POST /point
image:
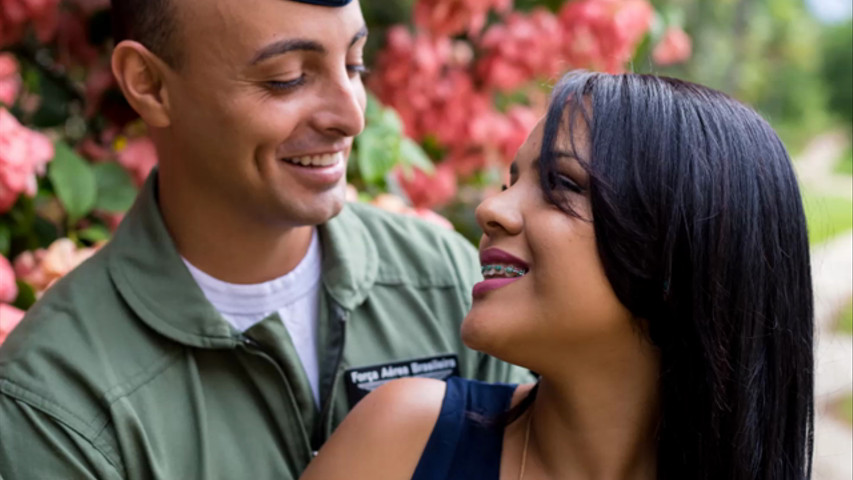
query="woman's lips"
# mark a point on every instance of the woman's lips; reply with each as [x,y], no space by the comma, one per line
[495,256]
[490,284]
[498,256]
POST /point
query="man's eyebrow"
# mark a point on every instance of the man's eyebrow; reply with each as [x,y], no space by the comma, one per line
[298,44]
[284,46]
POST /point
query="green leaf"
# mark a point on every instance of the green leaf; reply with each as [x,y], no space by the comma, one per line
[116,190]
[74,182]
[43,232]
[94,234]
[411,154]
[26,296]
[374,155]
[392,121]
[5,239]
[373,112]
[54,105]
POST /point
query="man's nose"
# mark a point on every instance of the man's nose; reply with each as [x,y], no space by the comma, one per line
[342,107]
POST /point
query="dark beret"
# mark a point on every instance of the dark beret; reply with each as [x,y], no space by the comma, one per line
[326,3]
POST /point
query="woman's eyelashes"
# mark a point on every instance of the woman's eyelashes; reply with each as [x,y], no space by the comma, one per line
[565,182]
[558,182]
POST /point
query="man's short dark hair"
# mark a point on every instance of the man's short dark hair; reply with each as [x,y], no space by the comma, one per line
[149,22]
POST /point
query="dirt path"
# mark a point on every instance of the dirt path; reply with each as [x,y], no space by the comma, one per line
[832,264]
[832,276]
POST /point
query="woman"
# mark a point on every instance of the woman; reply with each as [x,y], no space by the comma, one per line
[649,259]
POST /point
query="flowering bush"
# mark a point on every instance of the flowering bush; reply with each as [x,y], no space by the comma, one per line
[454,94]
[674,47]
[470,91]
[23,154]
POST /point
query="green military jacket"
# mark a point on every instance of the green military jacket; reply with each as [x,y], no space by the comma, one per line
[124,370]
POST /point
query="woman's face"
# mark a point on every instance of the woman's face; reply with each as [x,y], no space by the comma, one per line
[545,292]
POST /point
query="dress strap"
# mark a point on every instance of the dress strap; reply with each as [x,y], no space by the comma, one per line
[467,439]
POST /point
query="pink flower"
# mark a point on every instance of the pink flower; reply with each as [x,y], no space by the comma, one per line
[8,287]
[112,220]
[23,155]
[138,157]
[519,122]
[390,203]
[674,47]
[16,15]
[28,269]
[10,81]
[429,191]
[521,49]
[40,269]
[88,7]
[603,34]
[450,17]
[98,83]
[10,317]
[72,39]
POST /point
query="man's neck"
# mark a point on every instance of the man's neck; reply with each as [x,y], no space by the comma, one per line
[226,245]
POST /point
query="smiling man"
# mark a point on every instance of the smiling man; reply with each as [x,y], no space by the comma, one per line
[242,307]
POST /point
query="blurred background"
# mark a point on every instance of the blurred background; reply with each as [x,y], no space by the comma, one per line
[455,87]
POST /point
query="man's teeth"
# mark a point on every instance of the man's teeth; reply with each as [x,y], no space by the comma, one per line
[503,271]
[326,160]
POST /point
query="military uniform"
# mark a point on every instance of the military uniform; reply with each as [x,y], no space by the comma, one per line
[124,370]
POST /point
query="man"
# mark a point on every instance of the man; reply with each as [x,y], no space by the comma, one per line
[223,333]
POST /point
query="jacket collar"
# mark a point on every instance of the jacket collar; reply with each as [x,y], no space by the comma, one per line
[149,274]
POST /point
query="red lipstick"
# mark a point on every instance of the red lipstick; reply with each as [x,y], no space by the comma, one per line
[495,257]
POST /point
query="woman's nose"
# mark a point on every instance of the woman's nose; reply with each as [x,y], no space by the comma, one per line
[500,214]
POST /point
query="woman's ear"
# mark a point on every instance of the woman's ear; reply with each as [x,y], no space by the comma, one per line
[140,75]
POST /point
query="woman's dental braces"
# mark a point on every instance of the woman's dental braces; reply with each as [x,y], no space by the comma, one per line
[507,270]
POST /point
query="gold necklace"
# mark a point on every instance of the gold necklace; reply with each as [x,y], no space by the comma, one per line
[526,443]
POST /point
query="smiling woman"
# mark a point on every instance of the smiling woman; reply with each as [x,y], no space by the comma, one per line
[649,259]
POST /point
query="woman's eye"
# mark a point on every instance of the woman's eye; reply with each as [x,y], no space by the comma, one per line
[279,86]
[563,182]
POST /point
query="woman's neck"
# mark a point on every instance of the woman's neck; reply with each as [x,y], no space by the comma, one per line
[598,420]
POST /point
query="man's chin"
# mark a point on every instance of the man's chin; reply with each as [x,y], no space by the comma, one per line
[318,212]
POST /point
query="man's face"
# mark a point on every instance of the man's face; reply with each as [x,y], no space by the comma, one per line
[265,104]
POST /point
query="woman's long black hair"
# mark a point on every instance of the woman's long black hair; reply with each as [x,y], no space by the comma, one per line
[700,228]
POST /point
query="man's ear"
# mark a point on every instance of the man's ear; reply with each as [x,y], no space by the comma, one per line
[140,75]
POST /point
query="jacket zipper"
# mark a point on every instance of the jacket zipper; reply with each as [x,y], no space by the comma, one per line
[342,317]
[256,349]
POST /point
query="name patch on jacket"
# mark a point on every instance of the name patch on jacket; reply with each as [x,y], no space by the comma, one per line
[362,380]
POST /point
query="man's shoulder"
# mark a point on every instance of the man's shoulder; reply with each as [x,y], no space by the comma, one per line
[76,345]
[415,250]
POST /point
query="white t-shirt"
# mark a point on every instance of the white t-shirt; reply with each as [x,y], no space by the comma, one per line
[295,297]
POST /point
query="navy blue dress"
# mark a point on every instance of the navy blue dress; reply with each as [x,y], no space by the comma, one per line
[466,441]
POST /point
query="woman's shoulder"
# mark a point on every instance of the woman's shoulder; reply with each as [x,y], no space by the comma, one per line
[384,435]
[406,403]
